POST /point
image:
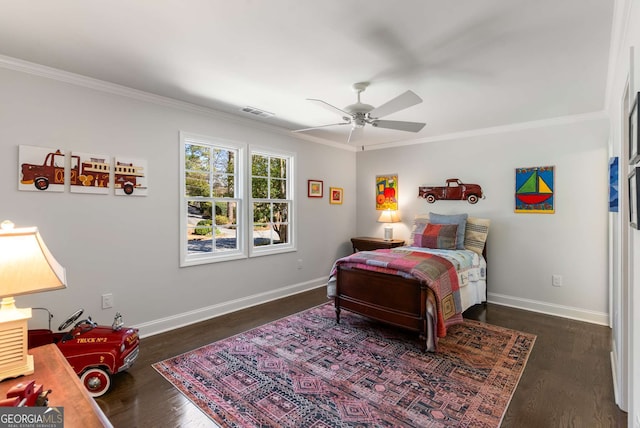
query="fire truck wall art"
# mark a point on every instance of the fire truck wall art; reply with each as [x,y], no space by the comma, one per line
[43,169]
[130,176]
[89,173]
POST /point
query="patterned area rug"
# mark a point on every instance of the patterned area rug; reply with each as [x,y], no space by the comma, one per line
[307,371]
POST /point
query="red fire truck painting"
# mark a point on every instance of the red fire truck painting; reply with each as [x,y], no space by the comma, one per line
[128,177]
[94,172]
[51,171]
[89,173]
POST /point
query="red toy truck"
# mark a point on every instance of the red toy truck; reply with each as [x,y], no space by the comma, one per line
[95,352]
[26,395]
[455,189]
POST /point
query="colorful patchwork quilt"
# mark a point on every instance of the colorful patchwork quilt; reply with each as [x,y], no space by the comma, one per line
[437,272]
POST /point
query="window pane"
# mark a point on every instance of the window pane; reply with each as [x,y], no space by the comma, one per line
[281,212]
[200,237]
[261,212]
[197,184]
[226,238]
[226,214]
[278,189]
[259,165]
[197,158]
[199,245]
[197,211]
[278,167]
[262,235]
[223,161]
[281,232]
[259,189]
[223,186]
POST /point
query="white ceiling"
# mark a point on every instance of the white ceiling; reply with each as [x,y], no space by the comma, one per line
[475,63]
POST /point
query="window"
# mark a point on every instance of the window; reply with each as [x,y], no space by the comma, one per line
[218,221]
[270,201]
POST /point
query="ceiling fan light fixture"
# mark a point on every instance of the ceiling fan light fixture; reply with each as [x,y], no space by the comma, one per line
[360,114]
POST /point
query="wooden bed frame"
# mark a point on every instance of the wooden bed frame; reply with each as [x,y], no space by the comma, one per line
[368,293]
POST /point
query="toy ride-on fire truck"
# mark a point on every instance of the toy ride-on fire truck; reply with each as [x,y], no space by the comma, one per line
[95,352]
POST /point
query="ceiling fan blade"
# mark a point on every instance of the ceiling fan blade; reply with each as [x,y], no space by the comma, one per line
[355,134]
[402,101]
[398,125]
[321,126]
[329,107]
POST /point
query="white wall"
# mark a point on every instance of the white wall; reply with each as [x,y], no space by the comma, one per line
[524,250]
[129,246]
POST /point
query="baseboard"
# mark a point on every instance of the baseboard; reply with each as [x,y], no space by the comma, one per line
[614,374]
[181,320]
[573,313]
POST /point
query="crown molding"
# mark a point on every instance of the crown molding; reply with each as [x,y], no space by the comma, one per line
[27,67]
[544,123]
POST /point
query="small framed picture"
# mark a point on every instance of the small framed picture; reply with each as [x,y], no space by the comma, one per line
[634,153]
[634,186]
[314,188]
[335,195]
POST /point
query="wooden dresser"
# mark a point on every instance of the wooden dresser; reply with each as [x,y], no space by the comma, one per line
[54,372]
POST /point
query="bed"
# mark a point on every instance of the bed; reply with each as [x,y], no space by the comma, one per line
[424,286]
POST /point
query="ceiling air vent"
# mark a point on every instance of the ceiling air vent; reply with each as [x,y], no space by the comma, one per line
[256,112]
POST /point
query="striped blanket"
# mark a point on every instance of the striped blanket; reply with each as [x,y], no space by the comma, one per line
[437,272]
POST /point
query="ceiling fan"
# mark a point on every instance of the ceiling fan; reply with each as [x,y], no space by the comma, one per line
[359,114]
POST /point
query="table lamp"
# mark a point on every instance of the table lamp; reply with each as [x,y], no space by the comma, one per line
[388,217]
[26,266]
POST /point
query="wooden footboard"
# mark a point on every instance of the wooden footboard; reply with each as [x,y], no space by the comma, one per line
[388,298]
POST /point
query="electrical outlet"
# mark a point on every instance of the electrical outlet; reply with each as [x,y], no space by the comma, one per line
[299,263]
[107,301]
[556,280]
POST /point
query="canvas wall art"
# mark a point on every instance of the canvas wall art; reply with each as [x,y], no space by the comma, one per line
[130,177]
[387,192]
[535,190]
[335,195]
[41,169]
[89,173]
[613,184]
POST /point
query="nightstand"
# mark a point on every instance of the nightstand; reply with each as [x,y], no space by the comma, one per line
[365,243]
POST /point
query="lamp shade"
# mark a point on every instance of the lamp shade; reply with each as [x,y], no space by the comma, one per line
[26,264]
[389,216]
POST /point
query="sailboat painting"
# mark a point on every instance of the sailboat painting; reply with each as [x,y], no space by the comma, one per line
[535,190]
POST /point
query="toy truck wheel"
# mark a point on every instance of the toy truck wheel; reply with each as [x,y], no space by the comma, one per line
[128,188]
[41,183]
[430,198]
[472,199]
[96,380]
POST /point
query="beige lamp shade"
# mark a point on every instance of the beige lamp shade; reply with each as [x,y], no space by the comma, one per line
[26,264]
[389,216]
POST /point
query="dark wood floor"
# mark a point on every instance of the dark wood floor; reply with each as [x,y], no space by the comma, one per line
[567,381]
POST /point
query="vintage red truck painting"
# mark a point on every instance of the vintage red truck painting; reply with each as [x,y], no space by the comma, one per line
[453,190]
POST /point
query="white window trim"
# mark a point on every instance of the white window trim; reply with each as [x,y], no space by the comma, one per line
[280,248]
[187,259]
